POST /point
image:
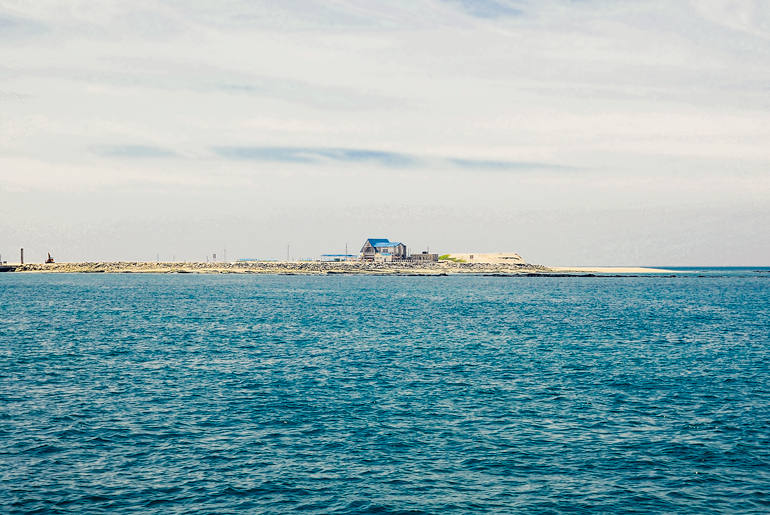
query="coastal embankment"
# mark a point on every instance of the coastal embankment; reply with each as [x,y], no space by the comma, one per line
[287,267]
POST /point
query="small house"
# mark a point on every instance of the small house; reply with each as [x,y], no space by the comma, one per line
[383,250]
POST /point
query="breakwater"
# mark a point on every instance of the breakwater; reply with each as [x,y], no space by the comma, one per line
[284,267]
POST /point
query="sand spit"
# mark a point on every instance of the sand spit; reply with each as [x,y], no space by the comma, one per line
[283,267]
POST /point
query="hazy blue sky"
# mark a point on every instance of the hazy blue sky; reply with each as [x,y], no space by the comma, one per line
[571,132]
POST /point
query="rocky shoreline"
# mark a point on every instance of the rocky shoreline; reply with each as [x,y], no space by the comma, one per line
[286,268]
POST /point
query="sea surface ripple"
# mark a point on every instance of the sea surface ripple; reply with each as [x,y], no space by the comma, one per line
[281,394]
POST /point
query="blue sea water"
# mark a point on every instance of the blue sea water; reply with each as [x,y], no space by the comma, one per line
[283,394]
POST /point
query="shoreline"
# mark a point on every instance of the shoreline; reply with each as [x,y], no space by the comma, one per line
[281,268]
[321,268]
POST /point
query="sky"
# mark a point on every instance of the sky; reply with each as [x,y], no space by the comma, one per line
[584,132]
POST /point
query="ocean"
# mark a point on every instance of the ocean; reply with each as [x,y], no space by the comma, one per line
[192,393]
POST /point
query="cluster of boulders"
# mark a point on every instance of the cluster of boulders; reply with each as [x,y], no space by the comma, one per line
[284,267]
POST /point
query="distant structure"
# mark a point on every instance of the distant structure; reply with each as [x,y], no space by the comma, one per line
[382,250]
[49,260]
[337,257]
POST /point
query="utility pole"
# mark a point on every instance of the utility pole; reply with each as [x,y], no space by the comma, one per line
[22,256]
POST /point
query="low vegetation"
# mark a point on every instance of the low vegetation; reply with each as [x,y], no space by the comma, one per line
[446,257]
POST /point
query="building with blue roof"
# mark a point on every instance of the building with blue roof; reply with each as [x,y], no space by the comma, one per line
[380,249]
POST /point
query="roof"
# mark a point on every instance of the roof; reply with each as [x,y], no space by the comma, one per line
[374,242]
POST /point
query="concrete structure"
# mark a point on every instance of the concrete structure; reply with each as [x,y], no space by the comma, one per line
[423,257]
